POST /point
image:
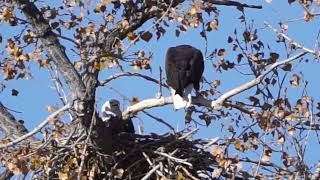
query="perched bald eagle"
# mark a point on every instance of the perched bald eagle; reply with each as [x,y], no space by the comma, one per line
[112,117]
[184,68]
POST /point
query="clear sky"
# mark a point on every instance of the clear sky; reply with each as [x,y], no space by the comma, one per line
[37,93]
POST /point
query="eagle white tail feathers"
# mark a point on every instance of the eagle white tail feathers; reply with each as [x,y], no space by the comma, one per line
[182,102]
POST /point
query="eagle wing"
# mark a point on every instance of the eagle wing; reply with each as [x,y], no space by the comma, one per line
[179,67]
[197,68]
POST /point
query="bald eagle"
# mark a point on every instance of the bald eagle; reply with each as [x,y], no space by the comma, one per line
[184,68]
[112,117]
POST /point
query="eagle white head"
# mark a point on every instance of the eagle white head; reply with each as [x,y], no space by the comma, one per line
[111,109]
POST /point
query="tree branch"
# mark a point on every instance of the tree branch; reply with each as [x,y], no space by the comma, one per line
[235,3]
[55,50]
[291,41]
[38,128]
[6,174]
[215,104]
[129,74]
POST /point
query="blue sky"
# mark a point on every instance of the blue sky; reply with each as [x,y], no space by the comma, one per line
[35,94]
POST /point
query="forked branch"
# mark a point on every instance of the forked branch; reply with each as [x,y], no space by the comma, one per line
[215,104]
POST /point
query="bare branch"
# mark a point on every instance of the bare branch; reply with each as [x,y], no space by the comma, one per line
[6,174]
[38,128]
[216,104]
[129,74]
[159,120]
[235,3]
[151,172]
[182,161]
[146,104]
[291,41]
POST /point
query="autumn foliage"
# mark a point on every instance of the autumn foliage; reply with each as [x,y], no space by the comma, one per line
[264,130]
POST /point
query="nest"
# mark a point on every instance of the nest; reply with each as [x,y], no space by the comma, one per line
[168,156]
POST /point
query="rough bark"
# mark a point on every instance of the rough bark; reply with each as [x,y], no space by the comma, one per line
[11,128]
[55,50]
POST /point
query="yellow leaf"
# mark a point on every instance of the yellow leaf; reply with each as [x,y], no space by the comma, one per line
[131,36]
[6,14]
[35,55]
[124,24]
[180,176]
[214,24]
[216,150]
[63,176]
[72,161]
[239,146]
[78,64]
[99,65]
[44,63]
[193,10]
[106,1]
[119,173]
[37,163]
[107,58]
[194,24]
[308,17]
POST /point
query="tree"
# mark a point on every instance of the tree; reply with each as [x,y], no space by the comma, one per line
[268,124]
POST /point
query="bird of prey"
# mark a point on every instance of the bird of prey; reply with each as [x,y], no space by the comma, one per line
[184,68]
[112,117]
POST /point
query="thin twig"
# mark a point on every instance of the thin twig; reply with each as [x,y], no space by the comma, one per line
[151,164]
[212,141]
[159,120]
[129,74]
[189,133]
[235,3]
[291,41]
[182,161]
